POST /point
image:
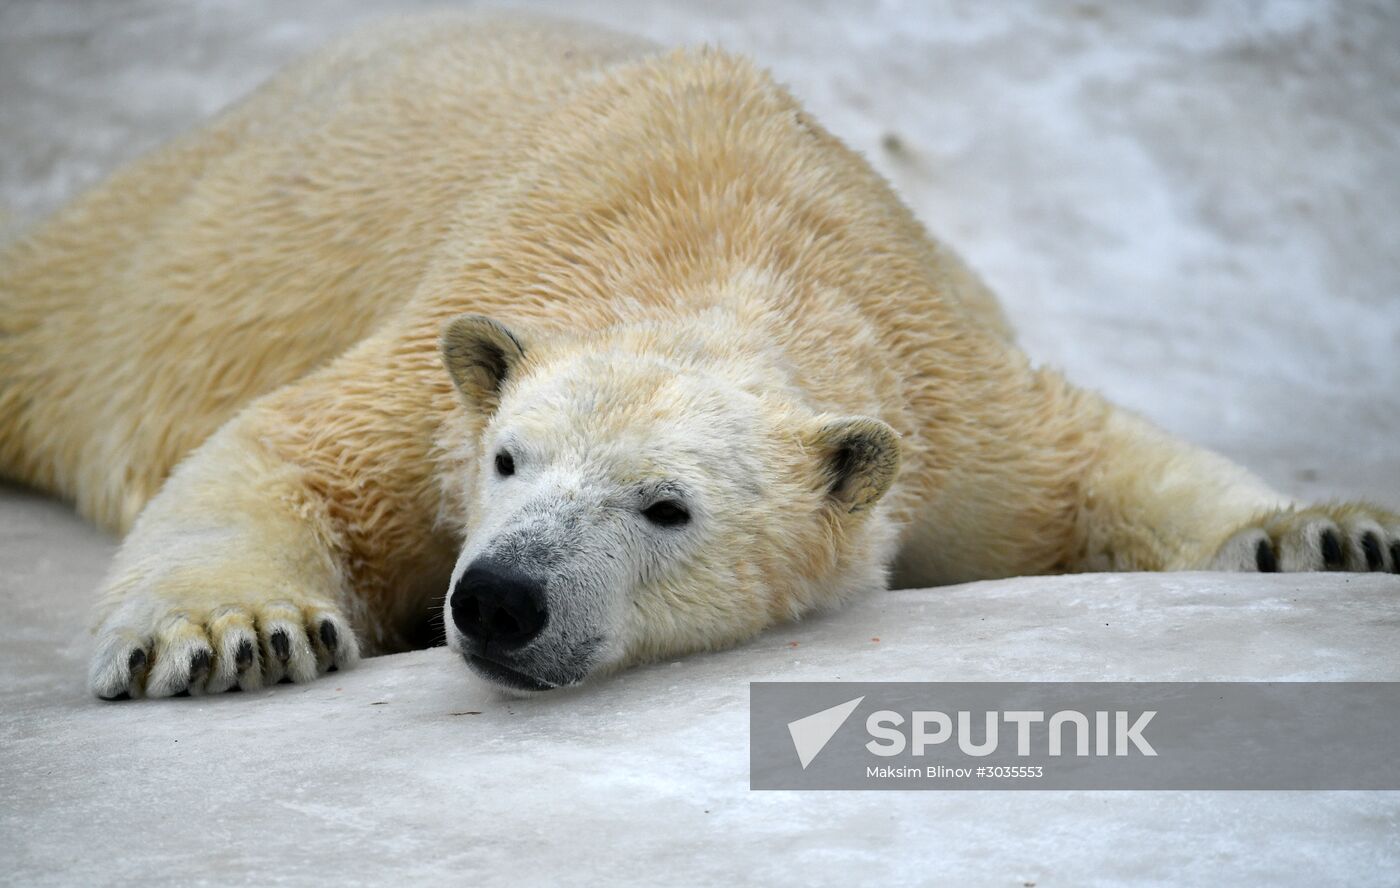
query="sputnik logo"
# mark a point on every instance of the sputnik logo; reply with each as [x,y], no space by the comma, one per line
[811,733]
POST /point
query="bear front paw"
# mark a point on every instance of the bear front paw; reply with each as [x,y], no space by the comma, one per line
[1351,537]
[155,649]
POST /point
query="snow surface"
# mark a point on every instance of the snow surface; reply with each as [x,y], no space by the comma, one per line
[1194,208]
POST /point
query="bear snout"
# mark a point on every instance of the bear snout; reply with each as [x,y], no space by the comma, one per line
[497,608]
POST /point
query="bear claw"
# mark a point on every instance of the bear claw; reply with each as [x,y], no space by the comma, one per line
[1331,550]
[281,645]
[199,663]
[1265,559]
[244,656]
[1371,546]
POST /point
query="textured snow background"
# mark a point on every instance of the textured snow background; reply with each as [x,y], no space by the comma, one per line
[1192,207]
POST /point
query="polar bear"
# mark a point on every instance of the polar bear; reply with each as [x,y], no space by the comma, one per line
[615,347]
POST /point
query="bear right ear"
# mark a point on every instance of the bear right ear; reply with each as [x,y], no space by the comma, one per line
[480,355]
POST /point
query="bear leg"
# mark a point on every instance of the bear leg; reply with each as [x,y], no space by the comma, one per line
[231,578]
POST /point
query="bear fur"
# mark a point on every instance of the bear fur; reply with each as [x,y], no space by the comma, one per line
[292,354]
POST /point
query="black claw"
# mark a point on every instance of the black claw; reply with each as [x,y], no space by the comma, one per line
[1395,557]
[1372,547]
[1264,558]
[1331,550]
[328,635]
[243,657]
[281,645]
[137,660]
[122,696]
[199,663]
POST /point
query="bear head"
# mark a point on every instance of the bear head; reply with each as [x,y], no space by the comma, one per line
[641,493]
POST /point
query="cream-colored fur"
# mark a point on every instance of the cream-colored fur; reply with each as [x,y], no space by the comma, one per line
[232,349]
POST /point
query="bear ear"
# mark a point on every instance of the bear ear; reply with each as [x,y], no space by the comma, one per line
[480,354]
[859,459]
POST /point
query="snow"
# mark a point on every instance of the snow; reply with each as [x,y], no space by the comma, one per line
[1194,211]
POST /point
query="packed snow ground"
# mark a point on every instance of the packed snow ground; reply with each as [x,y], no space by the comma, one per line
[1193,211]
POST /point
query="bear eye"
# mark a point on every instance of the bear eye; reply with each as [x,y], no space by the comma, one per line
[505,464]
[667,513]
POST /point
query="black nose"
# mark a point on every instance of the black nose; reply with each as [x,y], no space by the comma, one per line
[497,605]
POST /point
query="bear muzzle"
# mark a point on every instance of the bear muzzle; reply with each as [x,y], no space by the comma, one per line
[501,613]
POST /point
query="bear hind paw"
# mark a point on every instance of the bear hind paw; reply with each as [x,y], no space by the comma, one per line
[1348,537]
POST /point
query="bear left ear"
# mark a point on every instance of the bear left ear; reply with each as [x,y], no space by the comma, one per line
[860,458]
[480,354]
